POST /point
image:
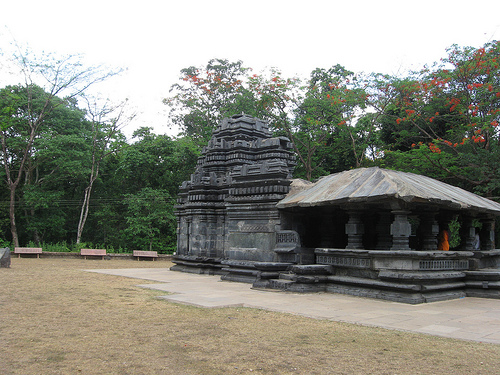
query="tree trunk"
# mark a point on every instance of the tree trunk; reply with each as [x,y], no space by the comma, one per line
[84,212]
[12,214]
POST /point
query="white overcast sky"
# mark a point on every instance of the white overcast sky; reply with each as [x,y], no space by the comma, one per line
[156,39]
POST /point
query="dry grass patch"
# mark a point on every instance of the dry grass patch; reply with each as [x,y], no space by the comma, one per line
[58,319]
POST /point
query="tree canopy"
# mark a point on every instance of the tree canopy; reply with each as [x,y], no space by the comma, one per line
[62,160]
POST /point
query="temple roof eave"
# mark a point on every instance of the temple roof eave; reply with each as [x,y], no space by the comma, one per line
[402,202]
[379,186]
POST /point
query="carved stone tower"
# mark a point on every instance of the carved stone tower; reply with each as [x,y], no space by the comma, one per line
[227,210]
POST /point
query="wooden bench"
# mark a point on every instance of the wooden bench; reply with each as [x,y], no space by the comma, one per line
[145,254]
[27,250]
[93,252]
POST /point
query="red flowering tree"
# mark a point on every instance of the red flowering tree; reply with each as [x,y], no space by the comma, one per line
[319,116]
[450,114]
[206,95]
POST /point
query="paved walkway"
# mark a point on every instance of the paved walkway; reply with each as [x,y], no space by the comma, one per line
[476,319]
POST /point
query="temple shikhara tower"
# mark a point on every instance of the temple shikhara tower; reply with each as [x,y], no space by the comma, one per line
[227,210]
[368,232]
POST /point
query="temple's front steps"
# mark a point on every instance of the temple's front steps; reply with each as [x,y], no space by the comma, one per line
[401,286]
[483,283]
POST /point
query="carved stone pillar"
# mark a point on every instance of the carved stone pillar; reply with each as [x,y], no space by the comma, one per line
[201,236]
[212,235]
[467,234]
[487,234]
[383,228]
[189,228]
[400,231]
[428,231]
[354,230]
[221,235]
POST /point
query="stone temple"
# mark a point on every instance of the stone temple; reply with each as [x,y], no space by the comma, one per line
[367,232]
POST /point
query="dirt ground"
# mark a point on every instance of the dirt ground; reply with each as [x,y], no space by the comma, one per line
[56,318]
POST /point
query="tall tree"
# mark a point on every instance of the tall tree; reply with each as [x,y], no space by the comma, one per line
[150,219]
[451,112]
[54,173]
[207,94]
[314,116]
[106,121]
[157,161]
[45,79]
[151,161]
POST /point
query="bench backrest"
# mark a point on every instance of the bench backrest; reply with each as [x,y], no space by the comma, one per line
[142,253]
[99,252]
[27,250]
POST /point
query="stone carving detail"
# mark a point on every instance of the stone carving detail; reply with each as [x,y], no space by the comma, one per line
[343,261]
[256,228]
[441,264]
[287,236]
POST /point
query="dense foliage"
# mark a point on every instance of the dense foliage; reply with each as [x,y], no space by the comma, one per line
[441,121]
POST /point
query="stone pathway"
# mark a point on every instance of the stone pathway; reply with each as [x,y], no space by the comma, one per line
[476,319]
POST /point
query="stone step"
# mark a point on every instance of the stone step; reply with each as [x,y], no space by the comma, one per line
[280,284]
[287,276]
[311,269]
[487,274]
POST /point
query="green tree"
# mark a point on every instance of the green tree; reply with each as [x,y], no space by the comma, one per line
[319,117]
[157,161]
[27,106]
[451,114]
[54,173]
[106,139]
[150,219]
[206,95]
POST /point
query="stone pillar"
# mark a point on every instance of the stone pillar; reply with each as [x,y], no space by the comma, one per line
[487,234]
[354,230]
[221,235]
[212,235]
[467,234]
[183,231]
[202,235]
[383,228]
[189,227]
[180,227]
[400,231]
[428,231]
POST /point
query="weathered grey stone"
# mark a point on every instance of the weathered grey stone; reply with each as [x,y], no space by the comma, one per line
[368,232]
[311,279]
[228,207]
[311,269]
[5,258]
[272,266]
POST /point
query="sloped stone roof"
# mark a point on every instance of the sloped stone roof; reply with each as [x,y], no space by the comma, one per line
[370,185]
